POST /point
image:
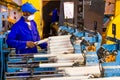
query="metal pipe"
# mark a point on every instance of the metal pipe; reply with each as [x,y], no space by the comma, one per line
[60,37]
[59,56]
[82,71]
[56,64]
[29,76]
[44,65]
[28,72]
[66,78]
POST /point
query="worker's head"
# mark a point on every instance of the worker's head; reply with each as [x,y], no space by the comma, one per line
[28,11]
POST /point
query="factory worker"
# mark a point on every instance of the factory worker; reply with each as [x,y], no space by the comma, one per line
[24,33]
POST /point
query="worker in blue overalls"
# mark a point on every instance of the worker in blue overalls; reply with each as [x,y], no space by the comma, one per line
[24,33]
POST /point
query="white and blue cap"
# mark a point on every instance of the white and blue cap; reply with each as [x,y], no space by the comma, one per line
[28,7]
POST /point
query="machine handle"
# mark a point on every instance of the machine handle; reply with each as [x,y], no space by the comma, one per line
[95,25]
[114,29]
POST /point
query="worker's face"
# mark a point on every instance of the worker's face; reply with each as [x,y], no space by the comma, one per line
[28,16]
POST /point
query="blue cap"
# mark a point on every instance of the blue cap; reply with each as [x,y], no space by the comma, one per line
[28,7]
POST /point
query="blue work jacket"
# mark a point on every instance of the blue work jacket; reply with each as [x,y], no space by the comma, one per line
[20,34]
[55,16]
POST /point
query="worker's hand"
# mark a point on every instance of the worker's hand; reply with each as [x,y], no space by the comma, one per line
[30,44]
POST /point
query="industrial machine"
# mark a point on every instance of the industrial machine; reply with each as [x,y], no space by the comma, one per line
[45,63]
[61,60]
[109,55]
[84,41]
[76,54]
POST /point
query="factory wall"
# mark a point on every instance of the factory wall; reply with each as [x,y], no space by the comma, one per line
[14,14]
[61,19]
[94,11]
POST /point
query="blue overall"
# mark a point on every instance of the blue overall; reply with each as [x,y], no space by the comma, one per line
[55,16]
[20,34]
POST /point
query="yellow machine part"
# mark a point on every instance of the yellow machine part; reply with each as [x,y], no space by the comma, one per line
[110,58]
[116,20]
[117,7]
[38,15]
[91,48]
